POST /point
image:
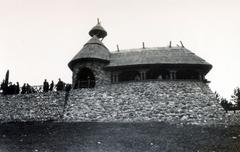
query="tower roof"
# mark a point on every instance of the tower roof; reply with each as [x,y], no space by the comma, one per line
[98,30]
[93,49]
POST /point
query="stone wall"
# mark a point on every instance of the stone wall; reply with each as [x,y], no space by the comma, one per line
[101,77]
[32,107]
[170,101]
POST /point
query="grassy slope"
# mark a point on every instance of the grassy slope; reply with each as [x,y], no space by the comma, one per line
[116,137]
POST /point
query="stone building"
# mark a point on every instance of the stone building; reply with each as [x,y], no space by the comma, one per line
[94,65]
[171,87]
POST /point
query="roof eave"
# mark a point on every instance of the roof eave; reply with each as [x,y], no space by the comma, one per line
[205,67]
[79,60]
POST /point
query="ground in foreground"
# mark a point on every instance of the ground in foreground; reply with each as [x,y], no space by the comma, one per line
[116,137]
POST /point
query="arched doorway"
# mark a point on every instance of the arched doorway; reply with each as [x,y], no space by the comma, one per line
[85,79]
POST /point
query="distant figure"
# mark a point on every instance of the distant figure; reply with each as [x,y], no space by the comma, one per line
[28,89]
[60,85]
[160,77]
[137,78]
[17,88]
[4,87]
[10,89]
[13,88]
[45,86]
[51,86]
[68,87]
[24,89]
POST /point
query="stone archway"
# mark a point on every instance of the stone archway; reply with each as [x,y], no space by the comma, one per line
[85,78]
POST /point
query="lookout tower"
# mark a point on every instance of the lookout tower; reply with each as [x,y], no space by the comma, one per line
[94,65]
[87,65]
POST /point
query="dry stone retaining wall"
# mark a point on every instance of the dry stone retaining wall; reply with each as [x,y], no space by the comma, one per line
[31,107]
[170,101]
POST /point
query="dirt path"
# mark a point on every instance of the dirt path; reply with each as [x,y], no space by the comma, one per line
[116,137]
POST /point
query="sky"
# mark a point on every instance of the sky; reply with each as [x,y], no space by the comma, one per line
[38,38]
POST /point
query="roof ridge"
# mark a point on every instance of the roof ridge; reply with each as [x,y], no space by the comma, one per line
[150,49]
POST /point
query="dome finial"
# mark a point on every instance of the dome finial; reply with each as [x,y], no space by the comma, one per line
[98,21]
[98,30]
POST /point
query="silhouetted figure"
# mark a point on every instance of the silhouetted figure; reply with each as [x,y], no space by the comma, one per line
[4,87]
[68,87]
[60,85]
[160,77]
[51,86]
[24,89]
[29,90]
[45,86]
[10,88]
[17,88]
[13,89]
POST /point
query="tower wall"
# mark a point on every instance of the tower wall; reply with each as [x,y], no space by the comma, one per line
[101,77]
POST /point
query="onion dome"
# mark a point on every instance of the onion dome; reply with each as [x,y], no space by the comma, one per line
[98,30]
[94,49]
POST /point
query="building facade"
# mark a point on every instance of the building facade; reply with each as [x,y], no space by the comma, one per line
[94,65]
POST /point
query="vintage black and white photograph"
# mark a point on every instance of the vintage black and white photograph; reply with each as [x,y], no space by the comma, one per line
[119,76]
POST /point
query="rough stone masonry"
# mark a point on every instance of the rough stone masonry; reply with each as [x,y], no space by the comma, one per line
[177,102]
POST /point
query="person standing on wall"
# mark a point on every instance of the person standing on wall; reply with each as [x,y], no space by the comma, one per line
[45,86]
[60,85]
[17,88]
[51,86]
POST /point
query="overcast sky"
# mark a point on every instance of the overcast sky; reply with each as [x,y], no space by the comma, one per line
[39,37]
